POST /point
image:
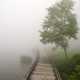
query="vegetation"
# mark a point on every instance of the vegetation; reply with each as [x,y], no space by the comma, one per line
[75,75]
[25,60]
[60,25]
[69,69]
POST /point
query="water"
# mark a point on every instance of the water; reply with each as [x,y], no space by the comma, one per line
[11,68]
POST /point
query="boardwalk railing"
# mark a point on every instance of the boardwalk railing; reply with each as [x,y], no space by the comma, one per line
[32,68]
[57,74]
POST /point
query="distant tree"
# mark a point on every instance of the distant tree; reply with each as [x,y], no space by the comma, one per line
[60,25]
[25,60]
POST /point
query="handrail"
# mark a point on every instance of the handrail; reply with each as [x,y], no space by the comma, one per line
[57,74]
[32,68]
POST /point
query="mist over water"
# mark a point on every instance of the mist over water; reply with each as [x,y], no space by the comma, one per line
[10,67]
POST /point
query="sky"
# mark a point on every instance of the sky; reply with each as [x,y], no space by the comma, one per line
[20,21]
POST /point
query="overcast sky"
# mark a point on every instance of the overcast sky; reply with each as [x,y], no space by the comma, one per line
[20,21]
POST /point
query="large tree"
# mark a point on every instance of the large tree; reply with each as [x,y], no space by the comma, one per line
[60,25]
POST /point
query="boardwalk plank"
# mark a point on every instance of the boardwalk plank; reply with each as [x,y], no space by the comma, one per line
[43,72]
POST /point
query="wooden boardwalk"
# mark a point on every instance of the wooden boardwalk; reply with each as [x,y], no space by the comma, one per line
[43,72]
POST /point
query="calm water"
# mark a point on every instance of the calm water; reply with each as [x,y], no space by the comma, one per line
[11,68]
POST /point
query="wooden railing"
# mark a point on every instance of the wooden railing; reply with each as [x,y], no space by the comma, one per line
[32,68]
[57,74]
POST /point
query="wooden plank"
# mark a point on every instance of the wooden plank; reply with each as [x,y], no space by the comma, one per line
[43,72]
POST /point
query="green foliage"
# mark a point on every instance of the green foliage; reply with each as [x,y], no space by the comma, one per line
[75,75]
[69,69]
[60,24]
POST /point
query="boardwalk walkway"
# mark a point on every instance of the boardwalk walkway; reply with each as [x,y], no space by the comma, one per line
[43,72]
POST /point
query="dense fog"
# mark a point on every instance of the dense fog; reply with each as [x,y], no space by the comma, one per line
[20,22]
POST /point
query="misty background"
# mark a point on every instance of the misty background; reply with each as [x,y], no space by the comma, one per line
[20,21]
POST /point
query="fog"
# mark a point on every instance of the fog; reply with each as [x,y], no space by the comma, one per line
[20,21]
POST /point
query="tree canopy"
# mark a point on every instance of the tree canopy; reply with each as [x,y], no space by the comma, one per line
[60,24]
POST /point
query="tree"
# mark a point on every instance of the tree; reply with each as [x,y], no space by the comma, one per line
[25,60]
[60,25]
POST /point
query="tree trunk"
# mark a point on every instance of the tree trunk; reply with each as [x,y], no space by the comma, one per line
[65,51]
